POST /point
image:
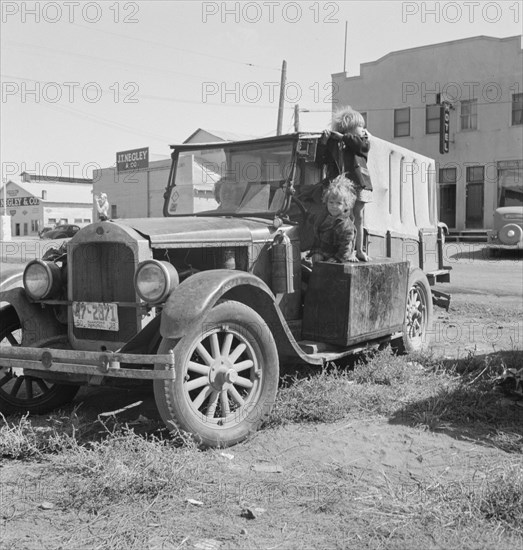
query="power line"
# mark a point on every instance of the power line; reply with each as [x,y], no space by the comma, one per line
[149,42]
[155,97]
[105,60]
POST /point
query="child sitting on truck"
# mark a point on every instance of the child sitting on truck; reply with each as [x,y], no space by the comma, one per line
[347,149]
[334,229]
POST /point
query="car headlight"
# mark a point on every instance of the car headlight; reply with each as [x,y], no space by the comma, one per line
[155,280]
[42,279]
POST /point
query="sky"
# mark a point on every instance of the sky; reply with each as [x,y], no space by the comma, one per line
[84,80]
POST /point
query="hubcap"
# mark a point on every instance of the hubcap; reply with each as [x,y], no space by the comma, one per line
[416,309]
[223,378]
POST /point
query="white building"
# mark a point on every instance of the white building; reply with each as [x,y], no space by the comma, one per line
[39,201]
[482,79]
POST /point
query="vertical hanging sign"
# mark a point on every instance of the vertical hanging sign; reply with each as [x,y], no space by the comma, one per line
[444,127]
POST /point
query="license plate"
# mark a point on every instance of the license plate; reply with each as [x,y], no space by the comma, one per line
[95,315]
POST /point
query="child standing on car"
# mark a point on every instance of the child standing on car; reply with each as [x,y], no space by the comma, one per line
[347,149]
[102,205]
[334,229]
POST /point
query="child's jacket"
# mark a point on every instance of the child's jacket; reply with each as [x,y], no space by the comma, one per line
[348,156]
[334,236]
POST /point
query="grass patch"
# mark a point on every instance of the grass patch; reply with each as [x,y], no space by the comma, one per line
[117,488]
[124,467]
[21,439]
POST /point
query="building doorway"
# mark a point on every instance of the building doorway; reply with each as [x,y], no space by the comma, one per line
[447,178]
[474,197]
[447,205]
[474,206]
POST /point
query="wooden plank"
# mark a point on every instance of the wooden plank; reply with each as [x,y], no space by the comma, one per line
[88,357]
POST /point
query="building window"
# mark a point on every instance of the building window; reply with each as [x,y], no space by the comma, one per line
[78,220]
[447,175]
[402,122]
[114,211]
[87,220]
[51,220]
[475,174]
[432,119]
[517,109]
[34,226]
[469,114]
[44,195]
[510,183]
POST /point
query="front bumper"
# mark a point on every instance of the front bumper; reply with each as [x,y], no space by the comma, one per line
[91,363]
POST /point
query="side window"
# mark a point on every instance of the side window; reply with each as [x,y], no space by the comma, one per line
[469,114]
[432,119]
[402,122]
[517,109]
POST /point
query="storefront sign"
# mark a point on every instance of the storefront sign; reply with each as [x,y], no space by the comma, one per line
[134,159]
[20,201]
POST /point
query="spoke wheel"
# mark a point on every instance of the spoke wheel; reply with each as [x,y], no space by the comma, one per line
[418,314]
[20,393]
[226,377]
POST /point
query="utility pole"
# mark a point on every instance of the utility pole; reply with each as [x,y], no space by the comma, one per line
[282,96]
[345,48]
[296,118]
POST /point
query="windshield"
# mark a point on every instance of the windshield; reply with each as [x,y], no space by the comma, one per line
[234,179]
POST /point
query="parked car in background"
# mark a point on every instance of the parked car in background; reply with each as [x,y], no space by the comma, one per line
[60,232]
[45,230]
[507,233]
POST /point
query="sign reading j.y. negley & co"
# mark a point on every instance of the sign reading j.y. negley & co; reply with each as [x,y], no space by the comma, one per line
[134,159]
[20,201]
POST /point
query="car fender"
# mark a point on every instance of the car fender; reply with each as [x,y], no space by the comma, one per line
[38,324]
[195,296]
[12,280]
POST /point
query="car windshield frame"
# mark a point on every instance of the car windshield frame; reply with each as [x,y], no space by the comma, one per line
[248,178]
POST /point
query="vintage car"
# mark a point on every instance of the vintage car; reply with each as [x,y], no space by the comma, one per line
[64,231]
[210,300]
[507,233]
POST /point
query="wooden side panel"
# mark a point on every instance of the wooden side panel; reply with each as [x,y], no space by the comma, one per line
[347,303]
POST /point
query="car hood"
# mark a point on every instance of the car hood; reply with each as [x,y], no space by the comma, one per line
[193,230]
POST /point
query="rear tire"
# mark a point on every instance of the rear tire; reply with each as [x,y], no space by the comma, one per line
[418,314]
[226,377]
[20,394]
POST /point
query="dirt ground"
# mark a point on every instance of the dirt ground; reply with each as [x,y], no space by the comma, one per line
[485,316]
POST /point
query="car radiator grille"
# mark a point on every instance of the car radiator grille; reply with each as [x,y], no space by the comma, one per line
[104,272]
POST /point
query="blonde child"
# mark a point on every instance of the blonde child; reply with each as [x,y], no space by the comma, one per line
[347,147]
[334,229]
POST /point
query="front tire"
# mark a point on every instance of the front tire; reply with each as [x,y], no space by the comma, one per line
[19,393]
[226,377]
